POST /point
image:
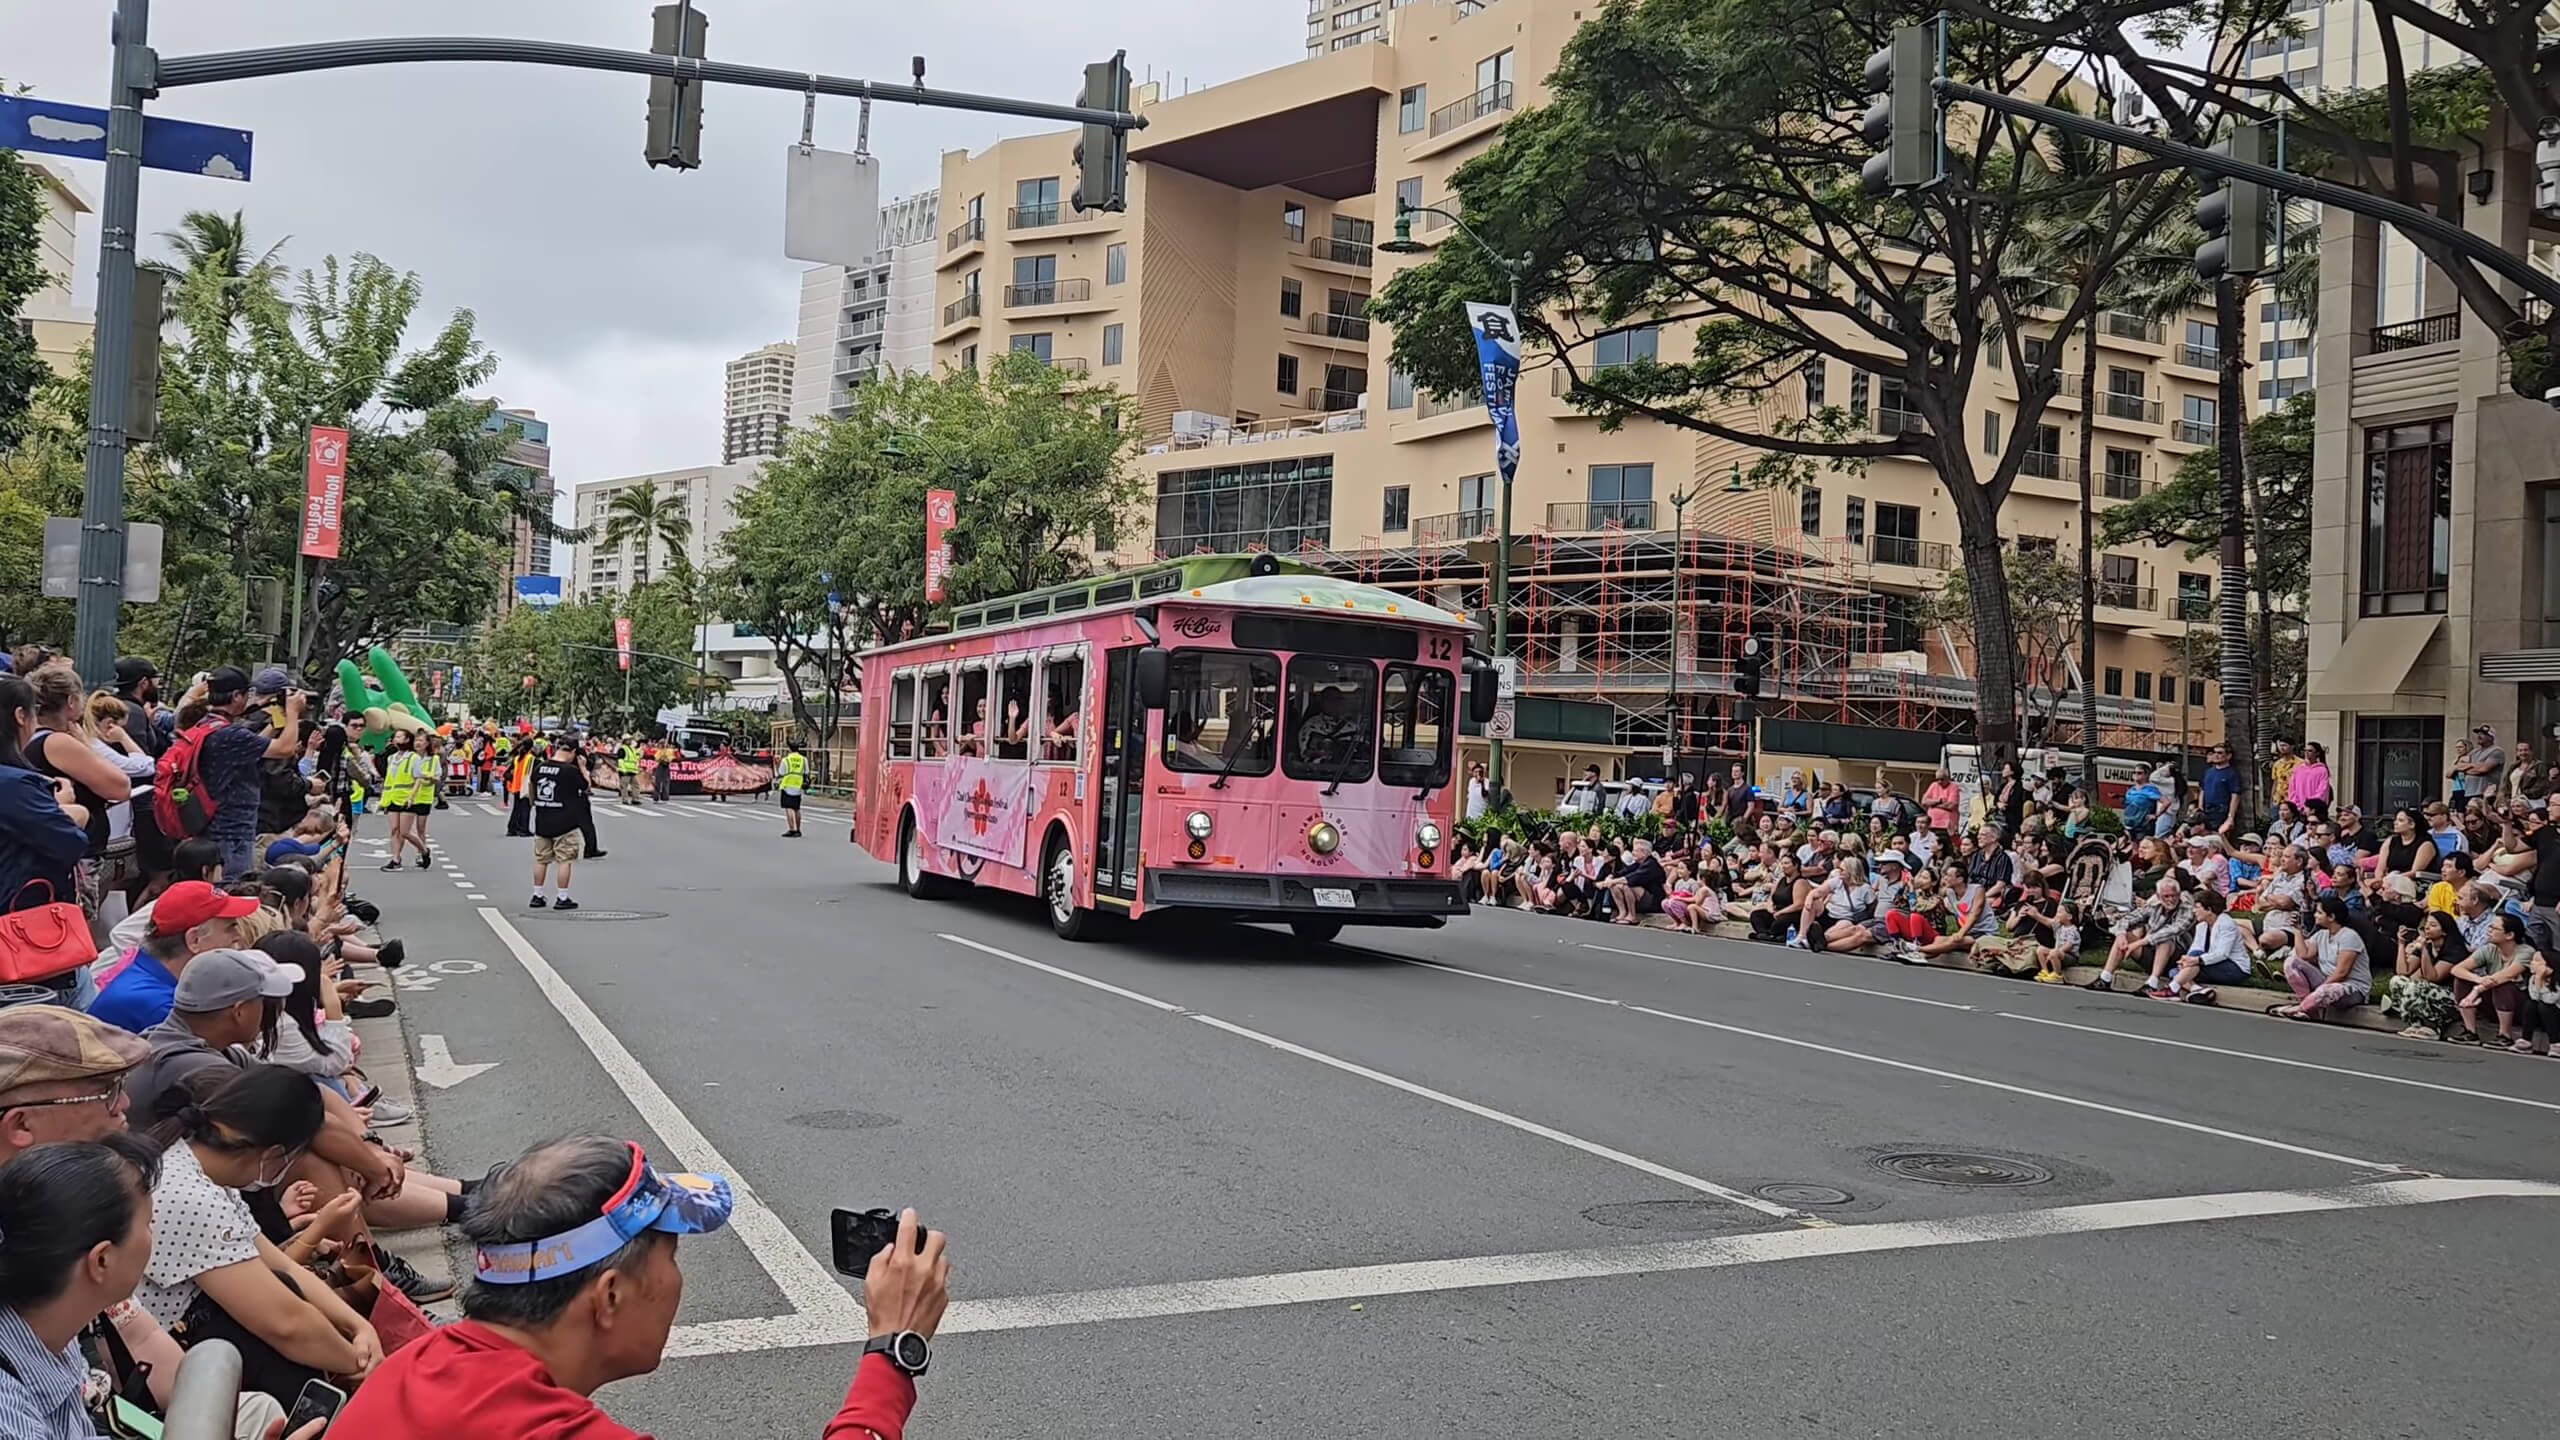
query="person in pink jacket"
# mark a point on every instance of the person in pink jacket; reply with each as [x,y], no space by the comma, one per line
[2310,779]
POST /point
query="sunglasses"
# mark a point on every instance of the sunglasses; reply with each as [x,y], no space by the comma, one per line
[108,1096]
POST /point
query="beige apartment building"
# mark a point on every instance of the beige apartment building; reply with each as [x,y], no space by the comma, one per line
[1229,301]
[59,324]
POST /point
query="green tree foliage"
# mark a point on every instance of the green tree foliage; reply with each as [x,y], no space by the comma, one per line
[1697,167]
[22,274]
[569,650]
[641,513]
[1040,468]
[2044,593]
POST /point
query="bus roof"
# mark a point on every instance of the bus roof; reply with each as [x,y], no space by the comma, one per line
[1284,584]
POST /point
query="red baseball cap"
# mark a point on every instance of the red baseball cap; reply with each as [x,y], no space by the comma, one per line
[190,903]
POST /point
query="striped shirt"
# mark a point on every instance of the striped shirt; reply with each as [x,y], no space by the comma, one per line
[40,1388]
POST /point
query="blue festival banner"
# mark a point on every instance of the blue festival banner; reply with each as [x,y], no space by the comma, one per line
[1498,351]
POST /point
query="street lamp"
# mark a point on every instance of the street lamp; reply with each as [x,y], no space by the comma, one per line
[1405,244]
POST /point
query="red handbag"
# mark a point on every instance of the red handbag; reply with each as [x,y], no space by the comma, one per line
[44,941]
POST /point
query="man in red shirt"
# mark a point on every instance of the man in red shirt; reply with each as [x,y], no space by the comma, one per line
[576,1286]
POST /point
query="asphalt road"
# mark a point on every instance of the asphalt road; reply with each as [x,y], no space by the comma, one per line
[1518,1175]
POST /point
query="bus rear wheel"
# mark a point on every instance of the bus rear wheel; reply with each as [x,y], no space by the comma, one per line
[1058,893]
[1316,932]
[917,881]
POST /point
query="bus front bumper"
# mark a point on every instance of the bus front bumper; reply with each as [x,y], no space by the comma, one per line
[1418,900]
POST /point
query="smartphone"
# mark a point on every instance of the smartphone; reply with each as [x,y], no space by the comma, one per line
[319,1400]
[861,1234]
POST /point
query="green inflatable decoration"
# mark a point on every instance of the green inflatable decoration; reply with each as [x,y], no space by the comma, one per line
[386,702]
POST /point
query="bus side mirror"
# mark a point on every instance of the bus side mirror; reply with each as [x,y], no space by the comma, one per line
[1484,689]
[1154,677]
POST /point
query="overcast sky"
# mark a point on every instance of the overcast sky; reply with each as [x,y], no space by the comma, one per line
[613,293]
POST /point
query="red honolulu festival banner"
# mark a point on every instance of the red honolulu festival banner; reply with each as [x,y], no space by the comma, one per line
[324,490]
[940,509]
[622,640]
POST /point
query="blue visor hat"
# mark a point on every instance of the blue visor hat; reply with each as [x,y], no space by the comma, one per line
[677,1204]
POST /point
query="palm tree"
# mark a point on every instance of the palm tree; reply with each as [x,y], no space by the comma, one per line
[642,513]
[207,242]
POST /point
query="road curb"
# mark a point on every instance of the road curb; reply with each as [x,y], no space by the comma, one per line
[389,1063]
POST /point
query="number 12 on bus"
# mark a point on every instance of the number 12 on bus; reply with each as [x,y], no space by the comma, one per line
[1233,734]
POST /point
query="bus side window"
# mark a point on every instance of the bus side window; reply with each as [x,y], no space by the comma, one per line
[1062,710]
[1013,694]
[902,718]
[974,727]
[937,715]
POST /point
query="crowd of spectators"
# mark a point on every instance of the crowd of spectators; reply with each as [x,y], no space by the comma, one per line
[2441,912]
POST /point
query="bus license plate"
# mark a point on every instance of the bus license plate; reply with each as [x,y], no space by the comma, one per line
[1330,899]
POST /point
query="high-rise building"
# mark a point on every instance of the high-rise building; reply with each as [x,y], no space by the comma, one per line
[759,403]
[708,494]
[1340,24]
[857,320]
[528,449]
[1229,301]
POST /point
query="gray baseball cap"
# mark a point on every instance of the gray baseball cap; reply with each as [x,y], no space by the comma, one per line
[220,979]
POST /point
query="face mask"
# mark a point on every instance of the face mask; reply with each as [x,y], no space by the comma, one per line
[283,1167]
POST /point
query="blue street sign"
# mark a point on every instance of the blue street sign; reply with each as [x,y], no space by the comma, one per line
[80,131]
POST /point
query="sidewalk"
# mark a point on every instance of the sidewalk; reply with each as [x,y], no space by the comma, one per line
[389,1063]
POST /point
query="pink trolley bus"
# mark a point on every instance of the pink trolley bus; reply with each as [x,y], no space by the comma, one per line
[1232,734]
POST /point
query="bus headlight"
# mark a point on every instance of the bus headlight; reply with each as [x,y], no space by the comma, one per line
[1323,838]
[1197,823]
[1427,835]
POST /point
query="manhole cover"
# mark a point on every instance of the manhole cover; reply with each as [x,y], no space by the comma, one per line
[582,913]
[1804,1197]
[1672,1215]
[1959,1167]
[842,1120]
[2440,1054]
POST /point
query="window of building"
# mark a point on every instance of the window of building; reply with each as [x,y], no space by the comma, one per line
[1809,510]
[1493,71]
[1293,221]
[2195,596]
[1037,343]
[1904,626]
[2124,473]
[1897,539]
[2168,686]
[1115,264]
[1857,520]
[2204,344]
[1035,202]
[2120,581]
[1413,107]
[1622,347]
[1990,432]
[2197,417]
[2039,351]
[1111,336]
[1399,390]
[2283,349]
[1621,495]
[2408,517]
[1035,280]
[2112,682]
[968,357]
[1287,380]
[2123,384]
[1278,505]
[1814,370]
[1293,297]
[2044,545]
[1409,194]
[1859,380]
[2141,684]
[1342,387]
[1399,509]
[2283,388]
[2399,761]
[1476,496]
[2195,692]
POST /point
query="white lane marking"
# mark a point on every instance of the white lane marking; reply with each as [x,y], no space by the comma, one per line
[808,1285]
[461,884]
[437,1066]
[2282,1060]
[475,895]
[1363,1282]
[1932,1071]
[1437,1097]
[1789,979]
[492,811]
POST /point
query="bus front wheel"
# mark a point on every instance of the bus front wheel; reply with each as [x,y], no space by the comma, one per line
[1316,932]
[917,881]
[1058,891]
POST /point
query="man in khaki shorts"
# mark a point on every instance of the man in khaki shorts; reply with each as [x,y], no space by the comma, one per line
[560,814]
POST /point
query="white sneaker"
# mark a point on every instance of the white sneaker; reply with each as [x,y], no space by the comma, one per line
[392,1112]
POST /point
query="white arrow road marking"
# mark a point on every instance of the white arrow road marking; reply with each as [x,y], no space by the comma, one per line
[439,1068]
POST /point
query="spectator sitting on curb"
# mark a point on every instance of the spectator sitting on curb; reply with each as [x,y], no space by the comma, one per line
[575,1287]
[2157,930]
[2331,968]
[2217,955]
[2420,991]
[2492,976]
[190,918]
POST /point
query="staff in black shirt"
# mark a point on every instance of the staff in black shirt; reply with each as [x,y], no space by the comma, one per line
[560,813]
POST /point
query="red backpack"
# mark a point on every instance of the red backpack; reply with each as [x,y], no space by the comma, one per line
[180,800]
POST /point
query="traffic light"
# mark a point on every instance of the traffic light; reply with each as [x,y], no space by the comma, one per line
[1904,117]
[675,106]
[1748,659]
[2233,213]
[1102,156]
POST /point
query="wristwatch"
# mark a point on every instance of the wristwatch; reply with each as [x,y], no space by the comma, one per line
[906,1349]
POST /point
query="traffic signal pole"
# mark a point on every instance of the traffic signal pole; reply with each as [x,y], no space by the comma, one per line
[136,75]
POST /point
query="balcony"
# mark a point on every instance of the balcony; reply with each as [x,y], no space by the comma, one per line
[1497,96]
[967,232]
[2121,485]
[1903,550]
[2200,357]
[2410,334]
[1454,526]
[1325,401]
[1048,292]
[1426,404]
[1033,217]
[2051,465]
[1075,365]
[964,308]
[2193,608]
[2119,405]
[2193,432]
[1900,422]
[1587,517]
[2124,326]
[2126,595]
[859,329]
[1339,327]
[1338,251]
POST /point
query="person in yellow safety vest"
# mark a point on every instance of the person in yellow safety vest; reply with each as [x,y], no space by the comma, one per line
[399,789]
[520,812]
[627,765]
[794,779]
